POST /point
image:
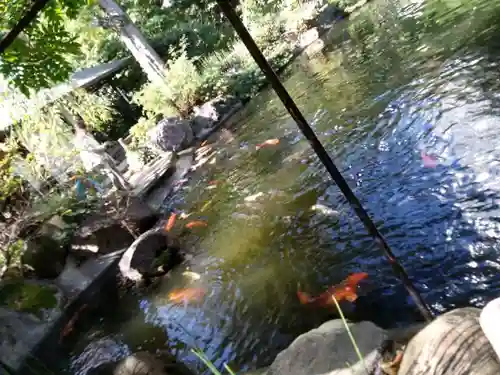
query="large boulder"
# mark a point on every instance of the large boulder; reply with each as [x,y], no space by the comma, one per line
[171,134]
[328,350]
[453,344]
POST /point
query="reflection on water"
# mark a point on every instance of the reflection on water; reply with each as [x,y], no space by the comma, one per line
[398,83]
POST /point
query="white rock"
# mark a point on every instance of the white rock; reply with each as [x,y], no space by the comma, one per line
[453,344]
[490,315]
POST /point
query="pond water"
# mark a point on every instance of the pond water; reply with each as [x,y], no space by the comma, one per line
[406,98]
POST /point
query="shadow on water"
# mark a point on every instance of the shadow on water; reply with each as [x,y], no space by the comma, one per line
[399,84]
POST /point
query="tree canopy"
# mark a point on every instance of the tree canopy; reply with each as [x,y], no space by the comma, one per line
[38,58]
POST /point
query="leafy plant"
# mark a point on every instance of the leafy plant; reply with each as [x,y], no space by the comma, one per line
[97,110]
[138,132]
[178,93]
[38,57]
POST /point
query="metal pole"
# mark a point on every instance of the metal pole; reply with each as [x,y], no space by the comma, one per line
[318,148]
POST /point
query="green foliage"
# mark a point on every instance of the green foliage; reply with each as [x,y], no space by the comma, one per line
[138,132]
[180,91]
[210,365]
[11,186]
[38,57]
[253,10]
[97,45]
[28,297]
[343,4]
[49,139]
[96,110]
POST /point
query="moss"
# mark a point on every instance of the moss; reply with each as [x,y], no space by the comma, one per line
[27,297]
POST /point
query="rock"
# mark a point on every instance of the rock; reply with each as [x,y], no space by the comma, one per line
[46,246]
[326,350]
[141,258]
[260,371]
[208,114]
[45,255]
[105,231]
[140,363]
[489,324]
[171,134]
[103,241]
[453,344]
[308,37]
[27,310]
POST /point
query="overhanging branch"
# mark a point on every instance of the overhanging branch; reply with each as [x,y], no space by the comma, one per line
[22,24]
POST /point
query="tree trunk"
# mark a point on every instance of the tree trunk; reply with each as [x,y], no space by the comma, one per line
[136,43]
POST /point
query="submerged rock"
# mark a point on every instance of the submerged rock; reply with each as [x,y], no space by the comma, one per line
[328,350]
[143,363]
[27,310]
[453,344]
[171,134]
[147,253]
[140,363]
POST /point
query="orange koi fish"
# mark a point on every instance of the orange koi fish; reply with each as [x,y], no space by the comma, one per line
[269,142]
[171,222]
[186,295]
[196,224]
[214,182]
[70,326]
[346,290]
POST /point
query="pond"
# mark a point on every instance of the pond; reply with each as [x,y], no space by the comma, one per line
[406,98]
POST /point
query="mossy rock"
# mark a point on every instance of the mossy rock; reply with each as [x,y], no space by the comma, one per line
[30,297]
[46,255]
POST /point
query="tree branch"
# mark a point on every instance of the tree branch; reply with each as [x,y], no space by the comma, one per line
[22,24]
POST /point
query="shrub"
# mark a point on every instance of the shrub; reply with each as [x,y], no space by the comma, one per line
[138,132]
[178,94]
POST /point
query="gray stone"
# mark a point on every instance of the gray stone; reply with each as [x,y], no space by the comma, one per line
[453,344]
[489,323]
[328,350]
[21,330]
[260,371]
[171,134]
[103,241]
[113,227]
[141,258]
[140,363]
[45,255]
[208,115]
